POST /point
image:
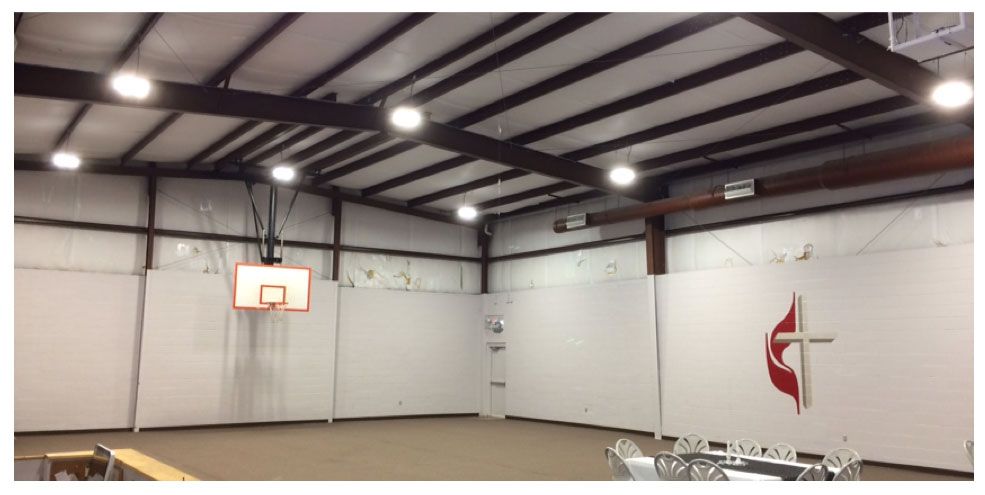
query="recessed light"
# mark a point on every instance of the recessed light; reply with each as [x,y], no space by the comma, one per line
[283,173]
[131,86]
[952,94]
[405,117]
[467,213]
[622,175]
[68,161]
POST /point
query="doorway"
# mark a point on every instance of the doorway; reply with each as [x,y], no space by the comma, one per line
[497,380]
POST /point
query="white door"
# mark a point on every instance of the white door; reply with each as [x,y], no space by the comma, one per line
[497,380]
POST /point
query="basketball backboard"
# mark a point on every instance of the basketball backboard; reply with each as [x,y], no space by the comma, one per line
[267,287]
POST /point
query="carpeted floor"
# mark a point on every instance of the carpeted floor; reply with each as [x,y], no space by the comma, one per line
[458,448]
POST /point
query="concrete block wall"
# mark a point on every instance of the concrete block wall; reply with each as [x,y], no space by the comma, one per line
[896,384]
[75,341]
[406,353]
[583,354]
[203,363]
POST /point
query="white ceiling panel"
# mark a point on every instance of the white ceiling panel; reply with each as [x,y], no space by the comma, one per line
[414,159]
[38,123]
[355,140]
[312,44]
[108,132]
[449,178]
[192,47]
[88,42]
[492,192]
[782,73]
[306,143]
[186,137]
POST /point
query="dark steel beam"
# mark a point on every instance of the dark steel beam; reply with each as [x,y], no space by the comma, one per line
[336,238]
[138,37]
[748,105]
[524,195]
[718,72]
[305,89]
[210,236]
[569,248]
[531,43]
[428,171]
[469,186]
[502,29]
[823,36]
[656,246]
[813,123]
[483,240]
[47,82]
[39,165]
[151,222]
[571,76]
[221,75]
[877,107]
[859,134]
[546,205]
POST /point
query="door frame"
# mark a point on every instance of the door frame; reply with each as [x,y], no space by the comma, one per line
[487,381]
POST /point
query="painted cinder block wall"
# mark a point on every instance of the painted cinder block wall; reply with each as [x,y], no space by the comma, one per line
[896,384]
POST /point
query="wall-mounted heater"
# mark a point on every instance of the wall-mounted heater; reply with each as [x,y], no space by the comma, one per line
[575,221]
[740,189]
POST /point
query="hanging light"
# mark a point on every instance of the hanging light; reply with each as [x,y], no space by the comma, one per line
[405,117]
[622,175]
[467,213]
[283,173]
[131,86]
[951,94]
[65,160]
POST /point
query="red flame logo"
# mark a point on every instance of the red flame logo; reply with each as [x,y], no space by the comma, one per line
[782,376]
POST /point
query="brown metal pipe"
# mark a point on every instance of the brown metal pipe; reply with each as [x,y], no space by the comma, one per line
[923,159]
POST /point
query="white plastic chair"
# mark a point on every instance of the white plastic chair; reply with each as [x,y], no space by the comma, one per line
[670,467]
[850,472]
[781,452]
[746,446]
[628,449]
[690,444]
[817,472]
[618,468]
[839,458]
[969,449]
[702,470]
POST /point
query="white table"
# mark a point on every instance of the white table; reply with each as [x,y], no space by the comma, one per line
[643,469]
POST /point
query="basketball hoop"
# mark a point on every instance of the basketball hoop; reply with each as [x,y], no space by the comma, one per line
[277,310]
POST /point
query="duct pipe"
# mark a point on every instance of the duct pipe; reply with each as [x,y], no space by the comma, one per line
[923,159]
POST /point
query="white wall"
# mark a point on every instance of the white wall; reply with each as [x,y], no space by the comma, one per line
[581,354]
[897,381]
[75,337]
[203,363]
[405,353]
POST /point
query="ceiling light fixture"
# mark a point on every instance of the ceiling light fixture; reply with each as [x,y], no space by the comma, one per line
[622,175]
[283,173]
[405,117]
[68,161]
[131,86]
[467,213]
[951,94]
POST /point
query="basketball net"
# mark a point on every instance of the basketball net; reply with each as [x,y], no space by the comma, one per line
[277,311]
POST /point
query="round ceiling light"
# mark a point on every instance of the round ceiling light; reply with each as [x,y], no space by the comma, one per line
[131,86]
[622,175]
[952,94]
[68,161]
[283,173]
[467,213]
[405,117]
